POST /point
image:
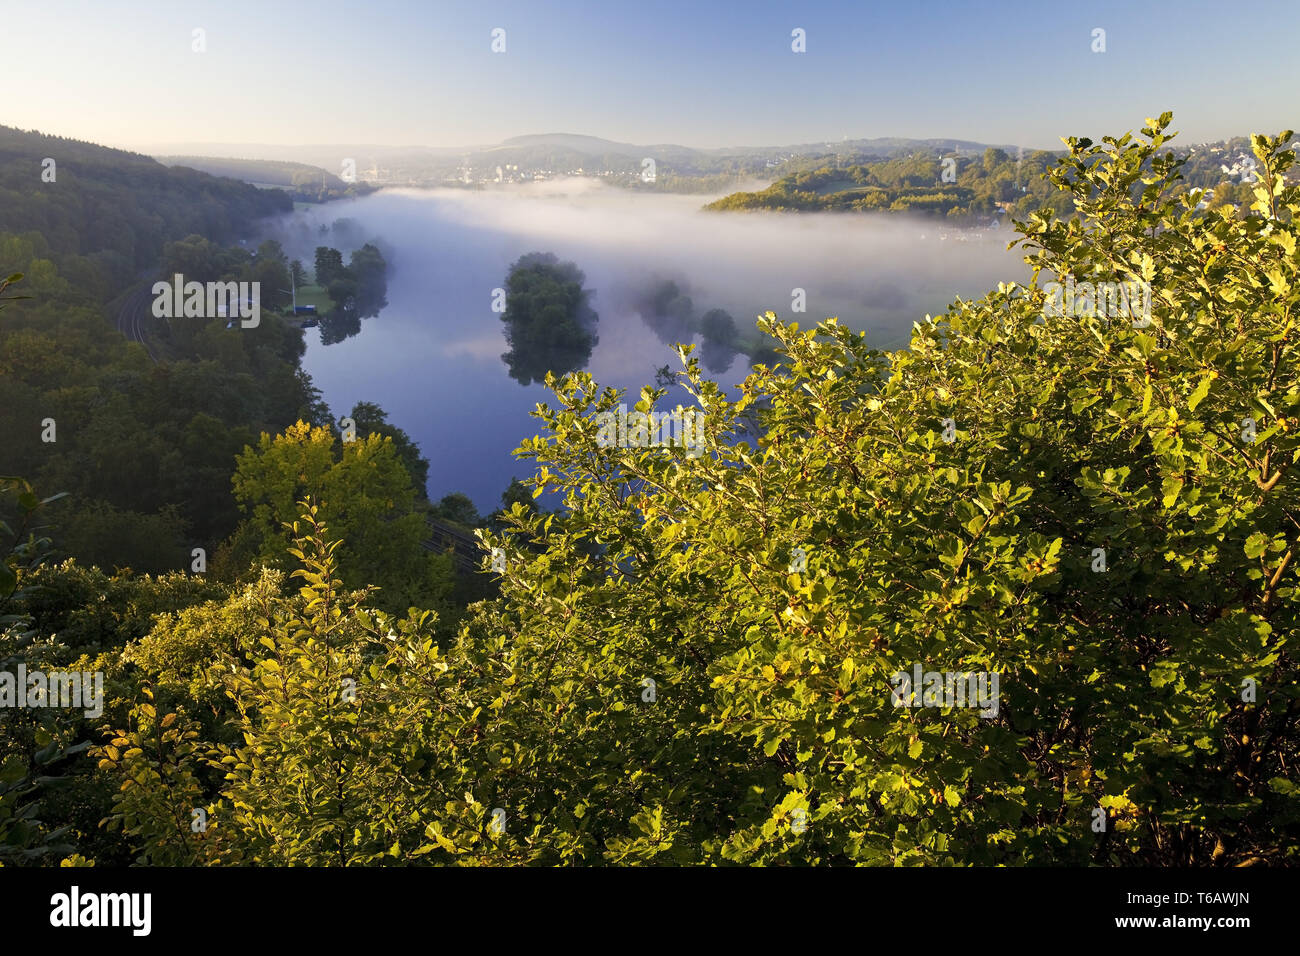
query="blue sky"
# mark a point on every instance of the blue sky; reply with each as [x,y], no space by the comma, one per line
[404,72]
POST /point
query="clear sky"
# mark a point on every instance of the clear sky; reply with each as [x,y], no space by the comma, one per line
[694,72]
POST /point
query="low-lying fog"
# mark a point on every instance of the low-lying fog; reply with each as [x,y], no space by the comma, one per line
[432,357]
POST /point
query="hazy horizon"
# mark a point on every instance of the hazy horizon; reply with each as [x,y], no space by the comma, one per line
[404,74]
[293,152]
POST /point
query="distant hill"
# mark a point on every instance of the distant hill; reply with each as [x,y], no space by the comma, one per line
[887,146]
[269,171]
[302,181]
[576,142]
[569,151]
[542,155]
[545,155]
[981,188]
[983,185]
[893,146]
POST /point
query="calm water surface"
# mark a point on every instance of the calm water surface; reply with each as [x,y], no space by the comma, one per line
[432,357]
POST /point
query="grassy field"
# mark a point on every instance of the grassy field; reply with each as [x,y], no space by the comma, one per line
[315,295]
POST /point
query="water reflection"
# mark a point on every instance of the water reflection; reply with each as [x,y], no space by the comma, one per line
[657,271]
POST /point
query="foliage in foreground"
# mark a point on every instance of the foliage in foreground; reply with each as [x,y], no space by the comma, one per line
[666,679]
[1160,691]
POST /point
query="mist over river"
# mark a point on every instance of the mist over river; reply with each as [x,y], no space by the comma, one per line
[432,357]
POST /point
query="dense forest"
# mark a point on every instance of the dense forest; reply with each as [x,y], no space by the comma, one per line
[697,659]
[143,432]
[102,215]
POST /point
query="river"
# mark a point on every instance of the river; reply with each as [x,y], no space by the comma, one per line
[432,357]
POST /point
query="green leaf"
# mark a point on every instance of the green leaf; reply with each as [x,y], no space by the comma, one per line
[1171,487]
[1256,544]
[1198,395]
[13,770]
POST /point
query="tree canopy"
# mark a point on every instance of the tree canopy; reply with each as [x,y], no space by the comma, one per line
[550,325]
[709,658]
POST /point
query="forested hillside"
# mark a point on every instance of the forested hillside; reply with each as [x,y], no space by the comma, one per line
[103,214]
[965,189]
[960,188]
[142,432]
[144,450]
[301,181]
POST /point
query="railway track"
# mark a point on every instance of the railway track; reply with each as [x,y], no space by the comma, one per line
[133,314]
